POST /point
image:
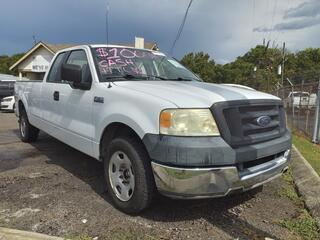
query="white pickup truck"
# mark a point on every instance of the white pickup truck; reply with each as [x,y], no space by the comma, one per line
[155,125]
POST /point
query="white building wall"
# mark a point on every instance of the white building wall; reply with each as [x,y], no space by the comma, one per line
[38,61]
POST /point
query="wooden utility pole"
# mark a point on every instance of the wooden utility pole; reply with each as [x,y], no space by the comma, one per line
[282,70]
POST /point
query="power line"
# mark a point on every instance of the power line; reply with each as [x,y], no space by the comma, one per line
[181,27]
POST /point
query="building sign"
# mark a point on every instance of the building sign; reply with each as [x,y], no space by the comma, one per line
[39,68]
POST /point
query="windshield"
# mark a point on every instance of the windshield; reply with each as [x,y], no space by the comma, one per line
[118,64]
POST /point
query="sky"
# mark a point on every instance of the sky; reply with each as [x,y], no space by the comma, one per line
[224,29]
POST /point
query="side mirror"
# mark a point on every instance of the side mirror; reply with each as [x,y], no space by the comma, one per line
[74,74]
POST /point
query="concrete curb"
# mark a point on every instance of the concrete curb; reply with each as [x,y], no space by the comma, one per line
[308,183]
[13,234]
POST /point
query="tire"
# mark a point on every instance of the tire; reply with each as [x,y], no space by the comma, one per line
[134,189]
[28,133]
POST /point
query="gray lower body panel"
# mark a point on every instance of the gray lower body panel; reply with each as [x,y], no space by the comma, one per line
[209,151]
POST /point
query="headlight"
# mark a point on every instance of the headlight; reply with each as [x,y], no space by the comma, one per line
[7,99]
[188,122]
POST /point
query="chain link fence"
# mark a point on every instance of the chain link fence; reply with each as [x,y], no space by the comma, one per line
[302,107]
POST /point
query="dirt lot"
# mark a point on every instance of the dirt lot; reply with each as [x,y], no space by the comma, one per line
[51,188]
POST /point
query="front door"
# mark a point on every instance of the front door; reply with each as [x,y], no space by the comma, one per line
[70,109]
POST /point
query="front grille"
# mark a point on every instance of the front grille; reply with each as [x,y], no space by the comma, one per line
[237,121]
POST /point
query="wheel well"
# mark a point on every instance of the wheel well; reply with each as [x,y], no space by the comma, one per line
[114,130]
[21,107]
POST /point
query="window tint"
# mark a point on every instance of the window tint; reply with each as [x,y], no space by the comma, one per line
[55,73]
[77,58]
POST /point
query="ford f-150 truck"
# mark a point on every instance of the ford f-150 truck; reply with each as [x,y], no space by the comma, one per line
[155,125]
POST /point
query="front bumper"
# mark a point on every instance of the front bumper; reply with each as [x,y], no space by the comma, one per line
[178,182]
[4,106]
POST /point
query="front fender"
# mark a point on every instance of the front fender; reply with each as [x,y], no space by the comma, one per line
[137,110]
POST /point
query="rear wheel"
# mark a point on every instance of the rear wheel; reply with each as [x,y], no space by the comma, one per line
[28,133]
[129,175]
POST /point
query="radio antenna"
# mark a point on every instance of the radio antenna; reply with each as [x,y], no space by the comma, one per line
[34,39]
[107,23]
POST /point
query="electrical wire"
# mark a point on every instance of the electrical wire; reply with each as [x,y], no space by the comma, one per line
[181,27]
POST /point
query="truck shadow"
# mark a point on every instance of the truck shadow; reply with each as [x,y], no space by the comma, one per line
[220,212]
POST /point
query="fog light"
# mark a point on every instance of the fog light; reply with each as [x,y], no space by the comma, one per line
[286,154]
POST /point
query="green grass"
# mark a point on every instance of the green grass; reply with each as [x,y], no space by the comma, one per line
[303,224]
[310,151]
[289,190]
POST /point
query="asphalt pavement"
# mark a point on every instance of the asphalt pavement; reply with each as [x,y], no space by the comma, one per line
[49,187]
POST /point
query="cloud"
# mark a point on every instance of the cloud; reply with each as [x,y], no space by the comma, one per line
[262,29]
[306,9]
[292,25]
[298,24]
[305,15]
[223,30]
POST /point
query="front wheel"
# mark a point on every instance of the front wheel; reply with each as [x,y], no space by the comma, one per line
[129,175]
[28,133]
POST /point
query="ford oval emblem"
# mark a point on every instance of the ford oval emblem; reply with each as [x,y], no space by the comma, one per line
[263,121]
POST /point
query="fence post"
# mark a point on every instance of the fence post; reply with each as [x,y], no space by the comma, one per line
[316,132]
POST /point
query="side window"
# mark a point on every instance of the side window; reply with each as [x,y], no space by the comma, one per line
[55,73]
[79,57]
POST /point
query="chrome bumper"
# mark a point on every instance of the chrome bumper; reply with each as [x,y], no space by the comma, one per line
[215,182]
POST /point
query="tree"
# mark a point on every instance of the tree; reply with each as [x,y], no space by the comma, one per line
[201,64]
[6,62]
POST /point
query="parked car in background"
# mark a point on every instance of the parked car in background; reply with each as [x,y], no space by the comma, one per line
[155,125]
[7,104]
[297,100]
[6,88]
[312,101]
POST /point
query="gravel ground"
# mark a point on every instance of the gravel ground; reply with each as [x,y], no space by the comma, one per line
[48,187]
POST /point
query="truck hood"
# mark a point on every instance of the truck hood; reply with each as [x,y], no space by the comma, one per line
[193,94]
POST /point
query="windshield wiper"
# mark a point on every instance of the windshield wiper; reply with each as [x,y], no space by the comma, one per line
[130,76]
[125,76]
[180,79]
[157,77]
[170,79]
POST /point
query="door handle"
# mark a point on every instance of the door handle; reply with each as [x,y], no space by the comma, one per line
[56,95]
